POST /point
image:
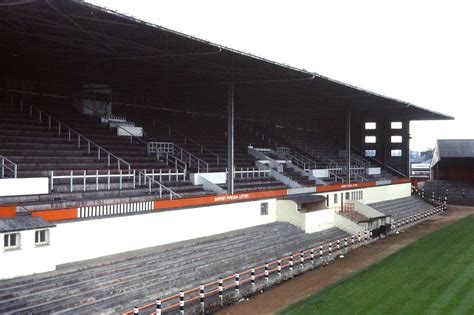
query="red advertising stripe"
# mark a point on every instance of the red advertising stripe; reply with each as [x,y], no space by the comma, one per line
[210,200]
[336,187]
[7,211]
[56,214]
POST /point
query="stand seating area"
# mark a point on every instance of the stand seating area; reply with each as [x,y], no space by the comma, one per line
[457,192]
[113,284]
[402,207]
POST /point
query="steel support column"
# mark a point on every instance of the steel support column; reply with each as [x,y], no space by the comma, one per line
[348,145]
[230,139]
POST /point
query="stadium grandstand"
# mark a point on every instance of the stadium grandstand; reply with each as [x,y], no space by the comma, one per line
[138,162]
[451,171]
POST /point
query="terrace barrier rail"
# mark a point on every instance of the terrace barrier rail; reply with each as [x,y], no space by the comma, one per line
[8,168]
[81,141]
[289,264]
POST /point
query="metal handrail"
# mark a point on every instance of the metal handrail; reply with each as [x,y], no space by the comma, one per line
[276,265]
[132,136]
[84,176]
[178,151]
[251,171]
[186,139]
[161,176]
[162,187]
[9,165]
[80,137]
[369,158]
[300,160]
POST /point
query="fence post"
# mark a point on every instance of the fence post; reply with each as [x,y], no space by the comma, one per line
[52,179]
[221,290]
[302,259]
[84,180]
[291,264]
[201,297]
[136,310]
[181,302]
[71,180]
[252,277]
[237,282]
[158,307]
[266,273]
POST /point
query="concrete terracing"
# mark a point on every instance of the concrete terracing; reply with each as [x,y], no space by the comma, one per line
[117,283]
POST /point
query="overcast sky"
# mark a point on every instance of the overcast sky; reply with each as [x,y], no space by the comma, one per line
[417,51]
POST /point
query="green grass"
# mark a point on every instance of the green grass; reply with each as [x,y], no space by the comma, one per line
[434,275]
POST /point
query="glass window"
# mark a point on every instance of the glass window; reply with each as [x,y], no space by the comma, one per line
[370,139]
[11,240]
[370,125]
[347,196]
[370,152]
[42,237]
[264,208]
[396,139]
[335,198]
[396,125]
[396,152]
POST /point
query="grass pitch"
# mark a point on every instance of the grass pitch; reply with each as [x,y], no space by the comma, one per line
[434,275]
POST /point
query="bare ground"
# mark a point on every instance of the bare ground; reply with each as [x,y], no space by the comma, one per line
[289,292]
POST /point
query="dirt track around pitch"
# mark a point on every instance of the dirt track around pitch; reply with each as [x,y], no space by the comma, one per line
[289,292]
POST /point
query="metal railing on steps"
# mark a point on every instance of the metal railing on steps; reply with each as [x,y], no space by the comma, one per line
[187,139]
[151,182]
[73,136]
[81,180]
[7,167]
[169,149]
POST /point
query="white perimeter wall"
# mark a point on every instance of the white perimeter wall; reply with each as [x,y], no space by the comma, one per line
[372,194]
[27,259]
[80,240]
[24,186]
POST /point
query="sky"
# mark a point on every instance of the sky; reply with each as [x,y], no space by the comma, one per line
[421,52]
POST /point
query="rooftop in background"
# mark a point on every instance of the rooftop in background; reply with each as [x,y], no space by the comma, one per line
[453,148]
[135,55]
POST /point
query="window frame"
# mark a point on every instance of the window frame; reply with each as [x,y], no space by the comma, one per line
[264,208]
[370,125]
[38,237]
[368,138]
[369,155]
[392,140]
[396,124]
[7,240]
[396,156]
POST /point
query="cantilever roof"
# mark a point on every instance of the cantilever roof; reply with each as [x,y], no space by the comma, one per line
[91,43]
